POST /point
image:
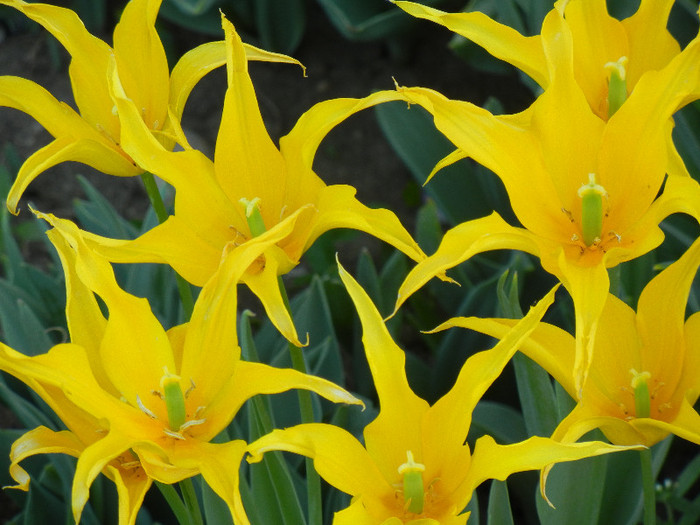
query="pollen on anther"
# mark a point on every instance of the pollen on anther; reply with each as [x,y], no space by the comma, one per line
[144,409]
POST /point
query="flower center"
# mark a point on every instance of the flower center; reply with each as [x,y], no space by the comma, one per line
[642,397]
[413,491]
[174,398]
[617,84]
[592,195]
[253,216]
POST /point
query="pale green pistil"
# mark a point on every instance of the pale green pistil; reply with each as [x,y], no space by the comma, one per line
[642,399]
[413,493]
[253,216]
[174,400]
[617,84]
[591,210]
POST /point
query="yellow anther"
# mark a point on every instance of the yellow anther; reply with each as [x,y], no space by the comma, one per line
[413,492]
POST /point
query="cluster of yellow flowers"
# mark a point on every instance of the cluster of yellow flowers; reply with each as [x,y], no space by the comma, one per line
[590,169]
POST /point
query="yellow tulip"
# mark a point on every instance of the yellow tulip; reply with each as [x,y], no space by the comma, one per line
[414,466]
[643,380]
[142,403]
[586,190]
[92,135]
[250,188]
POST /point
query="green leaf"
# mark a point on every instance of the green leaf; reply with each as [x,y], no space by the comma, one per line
[463,190]
[503,423]
[576,490]
[280,23]
[499,511]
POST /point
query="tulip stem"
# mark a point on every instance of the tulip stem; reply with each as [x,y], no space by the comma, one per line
[189,495]
[648,488]
[156,199]
[313,480]
[175,503]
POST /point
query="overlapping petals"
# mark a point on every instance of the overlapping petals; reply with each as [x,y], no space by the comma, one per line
[655,345]
[92,135]
[216,201]
[548,155]
[119,383]
[410,435]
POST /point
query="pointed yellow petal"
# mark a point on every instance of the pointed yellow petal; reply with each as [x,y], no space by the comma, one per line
[132,486]
[89,59]
[398,426]
[494,461]
[87,151]
[41,440]
[549,346]
[588,287]
[447,423]
[686,425]
[143,67]
[651,46]
[75,138]
[598,39]
[338,457]
[172,242]
[265,285]
[211,345]
[204,58]
[639,129]
[462,242]
[569,153]
[500,40]
[247,163]
[250,379]
[661,317]
[504,145]
[338,208]
[91,462]
[209,459]
[132,334]
[199,198]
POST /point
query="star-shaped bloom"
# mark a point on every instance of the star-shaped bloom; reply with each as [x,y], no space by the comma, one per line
[92,135]
[645,373]
[414,466]
[142,403]
[586,190]
[609,55]
[250,187]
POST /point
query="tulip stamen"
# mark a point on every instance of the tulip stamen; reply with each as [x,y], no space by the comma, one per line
[144,409]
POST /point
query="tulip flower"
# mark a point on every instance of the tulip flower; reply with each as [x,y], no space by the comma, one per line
[250,187]
[644,376]
[609,56]
[92,135]
[589,193]
[142,403]
[414,466]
